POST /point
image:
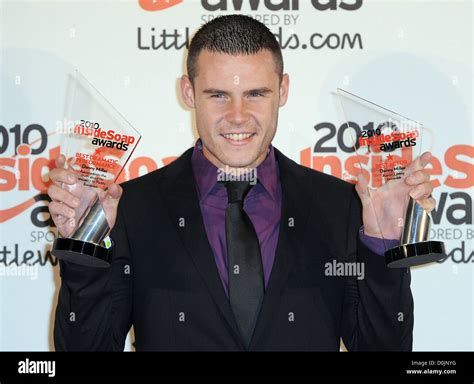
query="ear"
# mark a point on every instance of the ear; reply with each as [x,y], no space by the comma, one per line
[284,86]
[187,91]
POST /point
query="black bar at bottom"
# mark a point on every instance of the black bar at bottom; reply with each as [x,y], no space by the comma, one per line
[423,366]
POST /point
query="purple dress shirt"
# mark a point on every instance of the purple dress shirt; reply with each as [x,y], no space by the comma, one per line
[262,204]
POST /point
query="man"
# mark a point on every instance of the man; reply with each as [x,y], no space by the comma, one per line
[204,263]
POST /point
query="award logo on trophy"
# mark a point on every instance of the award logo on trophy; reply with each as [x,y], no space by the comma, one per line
[97,147]
[384,147]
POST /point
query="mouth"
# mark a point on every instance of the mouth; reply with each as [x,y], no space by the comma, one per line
[238,138]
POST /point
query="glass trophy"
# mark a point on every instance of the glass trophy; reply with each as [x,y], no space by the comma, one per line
[97,142]
[385,143]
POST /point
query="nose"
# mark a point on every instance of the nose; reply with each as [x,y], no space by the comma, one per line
[237,114]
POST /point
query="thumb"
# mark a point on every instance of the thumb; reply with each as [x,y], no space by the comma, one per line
[362,189]
[114,191]
[419,163]
[110,199]
[60,161]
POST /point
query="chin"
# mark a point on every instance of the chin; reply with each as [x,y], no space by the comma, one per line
[243,158]
[237,164]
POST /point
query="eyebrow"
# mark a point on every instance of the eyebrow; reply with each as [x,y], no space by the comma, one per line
[262,90]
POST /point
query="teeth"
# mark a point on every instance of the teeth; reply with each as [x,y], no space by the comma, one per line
[238,136]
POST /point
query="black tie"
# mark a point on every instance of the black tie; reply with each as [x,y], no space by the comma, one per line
[246,285]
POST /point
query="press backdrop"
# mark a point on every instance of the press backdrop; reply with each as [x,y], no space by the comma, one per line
[414,57]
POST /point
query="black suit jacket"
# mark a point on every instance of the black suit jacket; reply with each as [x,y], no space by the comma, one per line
[164,280]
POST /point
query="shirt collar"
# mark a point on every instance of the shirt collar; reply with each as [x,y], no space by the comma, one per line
[205,173]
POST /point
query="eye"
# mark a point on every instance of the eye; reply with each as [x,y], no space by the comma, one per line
[217,95]
[255,94]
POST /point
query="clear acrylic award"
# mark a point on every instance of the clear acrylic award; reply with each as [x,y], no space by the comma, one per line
[385,147]
[97,144]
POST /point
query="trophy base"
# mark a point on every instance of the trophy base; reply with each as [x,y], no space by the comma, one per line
[81,252]
[410,255]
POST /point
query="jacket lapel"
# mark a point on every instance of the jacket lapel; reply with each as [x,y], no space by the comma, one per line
[179,192]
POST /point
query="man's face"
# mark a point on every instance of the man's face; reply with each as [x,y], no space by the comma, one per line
[236,99]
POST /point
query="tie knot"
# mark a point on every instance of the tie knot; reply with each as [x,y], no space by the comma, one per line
[237,190]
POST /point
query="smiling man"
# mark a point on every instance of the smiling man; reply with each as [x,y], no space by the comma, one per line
[205,262]
[237,100]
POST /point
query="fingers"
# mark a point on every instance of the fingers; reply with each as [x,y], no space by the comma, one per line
[421,191]
[58,209]
[60,161]
[419,163]
[60,175]
[428,204]
[60,195]
[417,177]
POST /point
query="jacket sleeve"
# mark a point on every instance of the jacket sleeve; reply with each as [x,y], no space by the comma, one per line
[95,304]
[378,309]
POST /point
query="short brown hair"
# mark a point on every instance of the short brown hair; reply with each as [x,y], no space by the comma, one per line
[234,35]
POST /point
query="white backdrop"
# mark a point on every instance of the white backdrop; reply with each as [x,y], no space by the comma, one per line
[414,57]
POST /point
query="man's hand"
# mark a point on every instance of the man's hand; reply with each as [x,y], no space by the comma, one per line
[383,209]
[71,199]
